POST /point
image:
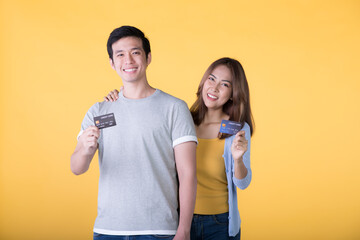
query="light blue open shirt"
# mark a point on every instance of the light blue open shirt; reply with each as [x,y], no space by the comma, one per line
[233,182]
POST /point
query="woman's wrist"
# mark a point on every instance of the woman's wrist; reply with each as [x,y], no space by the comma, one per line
[238,160]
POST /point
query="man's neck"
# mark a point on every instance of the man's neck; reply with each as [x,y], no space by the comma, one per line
[137,90]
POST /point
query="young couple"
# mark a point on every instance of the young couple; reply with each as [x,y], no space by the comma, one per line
[161,176]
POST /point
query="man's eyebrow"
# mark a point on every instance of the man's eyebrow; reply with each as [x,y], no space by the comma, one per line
[135,48]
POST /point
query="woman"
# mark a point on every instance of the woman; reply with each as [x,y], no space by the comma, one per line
[223,161]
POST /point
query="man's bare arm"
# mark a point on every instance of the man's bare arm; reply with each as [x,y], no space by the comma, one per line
[85,150]
[185,157]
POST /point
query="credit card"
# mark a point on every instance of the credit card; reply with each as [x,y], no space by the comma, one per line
[230,127]
[104,121]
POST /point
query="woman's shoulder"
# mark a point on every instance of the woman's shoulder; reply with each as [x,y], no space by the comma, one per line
[246,127]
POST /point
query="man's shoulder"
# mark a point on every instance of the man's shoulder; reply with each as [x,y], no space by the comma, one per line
[168,98]
[99,107]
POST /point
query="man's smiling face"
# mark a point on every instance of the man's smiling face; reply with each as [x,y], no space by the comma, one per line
[129,59]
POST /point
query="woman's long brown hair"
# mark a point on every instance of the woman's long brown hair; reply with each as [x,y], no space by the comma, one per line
[238,106]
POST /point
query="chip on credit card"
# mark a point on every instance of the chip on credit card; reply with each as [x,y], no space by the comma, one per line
[230,127]
[104,121]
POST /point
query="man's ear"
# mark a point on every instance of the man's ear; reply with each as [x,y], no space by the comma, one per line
[112,63]
[148,58]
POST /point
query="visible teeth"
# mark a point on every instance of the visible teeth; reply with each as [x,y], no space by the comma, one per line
[129,70]
[212,96]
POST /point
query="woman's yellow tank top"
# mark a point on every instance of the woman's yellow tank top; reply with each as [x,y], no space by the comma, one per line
[212,192]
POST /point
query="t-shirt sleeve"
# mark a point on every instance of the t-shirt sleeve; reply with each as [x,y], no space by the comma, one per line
[183,129]
[89,118]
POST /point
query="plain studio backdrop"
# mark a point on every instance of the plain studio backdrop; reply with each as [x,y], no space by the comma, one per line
[301,59]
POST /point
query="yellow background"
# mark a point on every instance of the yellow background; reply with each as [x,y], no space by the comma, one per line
[302,62]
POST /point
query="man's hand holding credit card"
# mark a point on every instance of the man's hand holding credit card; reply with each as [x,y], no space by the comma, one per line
[230,127]
[104,121]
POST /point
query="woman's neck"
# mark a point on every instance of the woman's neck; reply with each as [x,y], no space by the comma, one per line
[210,126]
[214,116]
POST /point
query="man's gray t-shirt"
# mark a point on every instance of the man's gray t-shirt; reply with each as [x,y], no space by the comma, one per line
[138,187]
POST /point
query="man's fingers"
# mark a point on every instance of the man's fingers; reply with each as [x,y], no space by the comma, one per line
[92,131]
[92,139]
[91,127]
[95,134]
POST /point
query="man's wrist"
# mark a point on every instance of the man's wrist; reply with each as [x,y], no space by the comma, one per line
[182,233]
[183,230]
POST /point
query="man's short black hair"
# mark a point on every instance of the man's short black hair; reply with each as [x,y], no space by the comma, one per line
[127,31]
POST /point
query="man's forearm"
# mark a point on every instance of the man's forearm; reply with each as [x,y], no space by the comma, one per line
[80,160]
[187,196]
[185,157]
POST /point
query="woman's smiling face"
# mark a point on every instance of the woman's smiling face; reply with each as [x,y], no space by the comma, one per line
[217,88]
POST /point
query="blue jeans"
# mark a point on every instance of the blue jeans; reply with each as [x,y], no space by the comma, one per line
[211,227]
[98,236]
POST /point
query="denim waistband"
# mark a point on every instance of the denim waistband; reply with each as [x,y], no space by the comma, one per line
[202,217]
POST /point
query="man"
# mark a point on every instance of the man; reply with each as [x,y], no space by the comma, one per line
[147,160]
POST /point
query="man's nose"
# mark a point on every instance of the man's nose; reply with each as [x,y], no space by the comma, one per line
[129,58]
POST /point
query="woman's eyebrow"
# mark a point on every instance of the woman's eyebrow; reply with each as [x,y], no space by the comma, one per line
[226,81]
[213,75]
